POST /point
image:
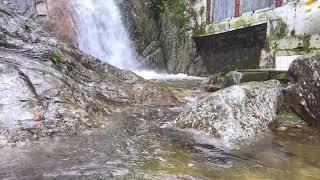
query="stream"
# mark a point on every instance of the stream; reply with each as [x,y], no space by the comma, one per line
[134,143]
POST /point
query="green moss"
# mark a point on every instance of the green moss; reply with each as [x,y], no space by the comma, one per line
[282,31]
[243,22]
[199,30]
[306,44]
[293,32]
[255,76]
[54,57]
[285,116]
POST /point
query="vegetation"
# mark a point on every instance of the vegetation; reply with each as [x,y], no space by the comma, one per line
[54,57]
[172,8]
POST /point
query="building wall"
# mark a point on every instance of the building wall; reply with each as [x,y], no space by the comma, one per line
[293,29]
[239,49]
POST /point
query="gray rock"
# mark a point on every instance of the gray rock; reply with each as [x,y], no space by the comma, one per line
[218,81]
[48,87]
[215,82]
[240,112]
[154,56]
[232,78]
[26,8]
[304,96]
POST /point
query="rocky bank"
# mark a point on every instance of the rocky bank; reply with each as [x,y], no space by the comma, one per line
[48,87]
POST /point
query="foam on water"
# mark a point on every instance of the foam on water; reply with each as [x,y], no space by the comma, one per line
[151,75]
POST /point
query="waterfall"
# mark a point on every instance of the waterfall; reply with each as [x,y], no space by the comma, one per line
[101,33]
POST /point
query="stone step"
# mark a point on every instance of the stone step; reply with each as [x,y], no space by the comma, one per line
[263,75]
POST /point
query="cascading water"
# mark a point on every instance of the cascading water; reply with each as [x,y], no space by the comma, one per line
[101,33]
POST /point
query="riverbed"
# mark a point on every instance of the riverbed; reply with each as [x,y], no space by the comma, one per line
[136,143]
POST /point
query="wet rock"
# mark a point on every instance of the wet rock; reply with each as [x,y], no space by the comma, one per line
[240,112]
[219,81]
[212,87]
[304,96]
[154,56]
[214,83]
[232,78]
[48,87]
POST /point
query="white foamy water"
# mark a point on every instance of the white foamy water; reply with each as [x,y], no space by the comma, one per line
[151,75]
[101,33]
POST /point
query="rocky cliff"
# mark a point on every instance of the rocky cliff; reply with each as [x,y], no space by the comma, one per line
[162,33]
[48,87]
[161,30]
[55,16]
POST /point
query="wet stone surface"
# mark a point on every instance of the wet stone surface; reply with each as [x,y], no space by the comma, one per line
[135,144]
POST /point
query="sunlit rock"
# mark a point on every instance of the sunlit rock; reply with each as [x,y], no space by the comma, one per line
[240,112]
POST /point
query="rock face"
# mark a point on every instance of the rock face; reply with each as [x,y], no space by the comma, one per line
[61,20]
[55,15]
[175,48]
[48,87]
[304,73]
[26,8]
[241,112]
[154,58]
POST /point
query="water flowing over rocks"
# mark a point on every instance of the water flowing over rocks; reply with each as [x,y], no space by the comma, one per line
[304,97]
[240,112]
[48,87]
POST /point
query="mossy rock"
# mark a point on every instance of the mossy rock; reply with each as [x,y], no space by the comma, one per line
[255,76]
[54,57]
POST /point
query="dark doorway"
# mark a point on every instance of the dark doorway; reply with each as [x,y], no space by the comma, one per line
[238,49]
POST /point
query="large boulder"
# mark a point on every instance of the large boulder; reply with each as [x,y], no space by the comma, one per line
[304,97]
[240,112]
[47,87]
